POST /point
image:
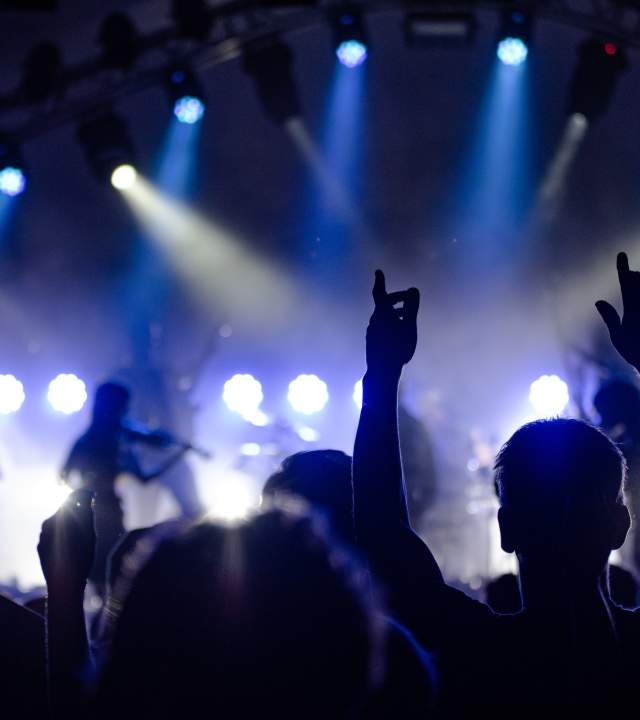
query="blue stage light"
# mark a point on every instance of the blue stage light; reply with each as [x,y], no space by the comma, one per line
[67,393]
[351,53]
[512,51]
[12,181]
[350,34]
[188,109]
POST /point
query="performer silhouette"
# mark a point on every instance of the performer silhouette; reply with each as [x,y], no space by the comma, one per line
[102,453]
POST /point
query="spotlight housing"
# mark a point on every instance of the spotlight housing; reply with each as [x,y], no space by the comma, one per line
[107,144]
[269,62]
[185,95]
[119,41]
[350,37]
[600,64]
[193,18]
[514,38]
[41,72]
[13,179]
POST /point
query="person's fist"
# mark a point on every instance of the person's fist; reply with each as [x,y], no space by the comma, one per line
[625,333]
[392,334]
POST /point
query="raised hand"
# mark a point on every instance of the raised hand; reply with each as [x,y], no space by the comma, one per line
[392,334]
[625,333]
[67,543]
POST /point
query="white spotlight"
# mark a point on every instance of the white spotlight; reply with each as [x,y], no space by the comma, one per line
[308,394]
[243,394]
[549,395]
[124,177]
[67,393]
[11,394]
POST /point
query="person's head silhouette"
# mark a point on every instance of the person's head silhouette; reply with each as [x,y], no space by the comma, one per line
[261,618]
[110,404]
[562,511]
[323,479]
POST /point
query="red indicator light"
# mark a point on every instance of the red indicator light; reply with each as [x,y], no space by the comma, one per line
[610,48]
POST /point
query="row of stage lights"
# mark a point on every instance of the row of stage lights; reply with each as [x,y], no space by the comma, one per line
[242,394]
[110,151]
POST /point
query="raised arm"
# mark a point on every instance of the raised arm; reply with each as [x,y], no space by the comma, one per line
[66,551]
[380,505]
[625,333]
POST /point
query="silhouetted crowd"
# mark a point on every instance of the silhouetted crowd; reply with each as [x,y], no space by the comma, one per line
[326,603]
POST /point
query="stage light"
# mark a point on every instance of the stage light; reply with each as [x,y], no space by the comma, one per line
[119,40]
[595,77]
[349,35]
[512,51]
[308,394]
[107,144]
[243,394]
[123,177]
[515,34]
[12,177]
[185,95]
[188,109]
[351,53]
[269,62]
[357,394]
[12,181]
[67,393]
[549,395]
[11,394]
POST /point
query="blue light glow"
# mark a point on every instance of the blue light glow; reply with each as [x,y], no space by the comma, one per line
[188,109]
[12,181]
[308,394]
[11,394]
[67,393]
[512,51]
[351,53]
